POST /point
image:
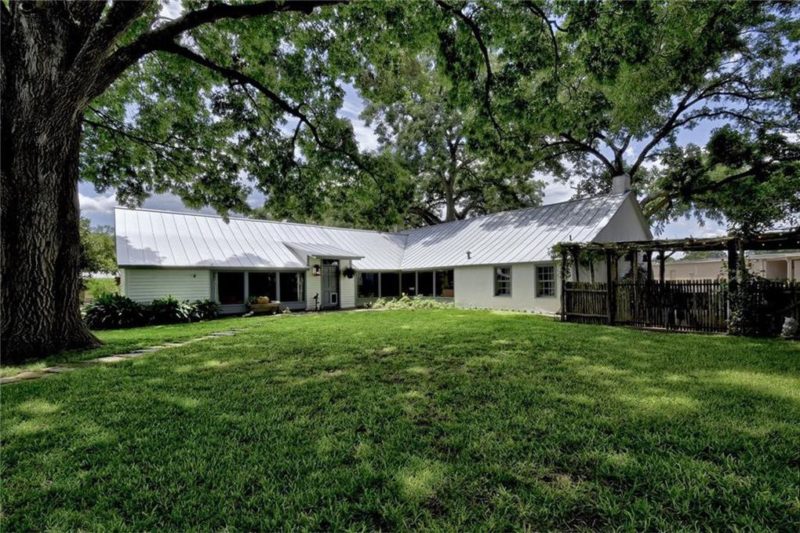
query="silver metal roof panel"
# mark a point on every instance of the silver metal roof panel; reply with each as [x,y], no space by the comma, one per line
[165,239]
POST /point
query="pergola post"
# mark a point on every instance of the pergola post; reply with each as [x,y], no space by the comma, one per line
[576,254]
[609,288]
[661,269]
[733,260]
[649,260]
[563,284]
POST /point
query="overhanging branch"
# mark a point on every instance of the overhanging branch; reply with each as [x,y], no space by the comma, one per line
[157,38]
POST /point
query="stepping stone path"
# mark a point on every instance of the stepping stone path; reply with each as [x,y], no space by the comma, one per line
[109,359]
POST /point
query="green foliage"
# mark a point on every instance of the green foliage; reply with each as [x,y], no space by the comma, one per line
[204,310]
[97,286]
[110,311]
[456,171]
[98,252]
[169,311]
[422,420]
[410,302]
[468,101]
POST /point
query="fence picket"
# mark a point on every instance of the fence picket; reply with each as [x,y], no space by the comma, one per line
[682,305]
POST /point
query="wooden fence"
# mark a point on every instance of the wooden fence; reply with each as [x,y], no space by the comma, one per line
[691,305]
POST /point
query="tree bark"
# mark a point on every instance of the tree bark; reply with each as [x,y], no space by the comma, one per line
[39,171]
[40,240]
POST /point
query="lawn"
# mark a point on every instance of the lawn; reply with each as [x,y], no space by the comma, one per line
[442,419]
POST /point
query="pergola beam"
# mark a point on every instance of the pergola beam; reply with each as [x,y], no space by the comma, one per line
[787,240]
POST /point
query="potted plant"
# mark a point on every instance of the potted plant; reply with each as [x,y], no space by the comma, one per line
[263,304]
[349,272]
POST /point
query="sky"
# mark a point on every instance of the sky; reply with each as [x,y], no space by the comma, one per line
[99,206]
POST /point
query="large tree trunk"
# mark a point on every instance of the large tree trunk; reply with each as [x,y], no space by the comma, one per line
[40,240]
[40,248]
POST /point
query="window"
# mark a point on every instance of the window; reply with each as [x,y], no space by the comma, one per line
[425,283]
[545,281]
[262,284]
[445,283]
[292,286]
[502,281]
[409,283]
[367,284]
[230,286]
[390,284]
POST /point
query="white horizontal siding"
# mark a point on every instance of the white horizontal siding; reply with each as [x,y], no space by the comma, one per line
[474,287]
[147,284]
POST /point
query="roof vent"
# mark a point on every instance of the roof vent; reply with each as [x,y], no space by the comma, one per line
[620,184]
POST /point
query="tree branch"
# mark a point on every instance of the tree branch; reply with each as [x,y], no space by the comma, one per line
[155,39]
[476,33]
[592,150]
[662,133]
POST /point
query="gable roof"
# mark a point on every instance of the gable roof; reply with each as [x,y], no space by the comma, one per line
[165,239]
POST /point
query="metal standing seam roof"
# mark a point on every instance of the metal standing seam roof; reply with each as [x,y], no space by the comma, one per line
[166,239]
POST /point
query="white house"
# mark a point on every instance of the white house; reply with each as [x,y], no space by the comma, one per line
[778,266]
[500,261]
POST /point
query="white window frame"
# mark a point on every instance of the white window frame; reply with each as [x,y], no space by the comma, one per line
[552,282]
[497,271]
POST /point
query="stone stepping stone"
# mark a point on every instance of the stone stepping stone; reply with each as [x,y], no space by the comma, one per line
[110,359]
[28,375]
[59,369]
[9,379]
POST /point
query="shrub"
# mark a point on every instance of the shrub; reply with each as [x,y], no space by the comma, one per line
[409,302]
[170,311]
[204,310]
[98,286]
[114,311]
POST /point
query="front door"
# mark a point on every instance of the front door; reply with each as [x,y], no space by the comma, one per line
[330,284]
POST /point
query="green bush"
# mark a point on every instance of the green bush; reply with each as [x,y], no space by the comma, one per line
[169,310]
[115,311]
[97,286]
[204,310]
[410,302]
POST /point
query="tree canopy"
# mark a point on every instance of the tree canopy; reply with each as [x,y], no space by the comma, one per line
[582,91]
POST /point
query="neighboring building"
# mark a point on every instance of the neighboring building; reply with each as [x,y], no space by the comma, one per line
[500,261]
[775,266]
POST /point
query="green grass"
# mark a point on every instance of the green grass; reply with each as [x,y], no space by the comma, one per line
[125,340]
[442,419]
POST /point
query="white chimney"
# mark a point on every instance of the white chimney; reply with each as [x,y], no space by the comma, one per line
[620,184]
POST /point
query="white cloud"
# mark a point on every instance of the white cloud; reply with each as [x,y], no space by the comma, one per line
[97,204]
[556,191]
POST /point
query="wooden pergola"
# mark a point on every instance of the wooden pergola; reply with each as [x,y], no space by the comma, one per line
[734,245]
